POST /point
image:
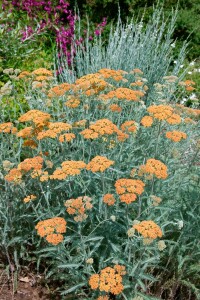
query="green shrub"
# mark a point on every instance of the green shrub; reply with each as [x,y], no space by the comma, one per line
[111,164]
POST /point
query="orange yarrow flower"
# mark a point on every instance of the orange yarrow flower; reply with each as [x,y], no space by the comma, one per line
[69,168]
[29,198]
[174,119]
[30,143]
[129,126]
[38,117]
[99,164]
[115,108]
[154,167]
[26,132]
[42,71]
[164,112]
[109,199]
[54,130]
[72,102]
[24,74]
[103,298]
[128,189]
[123,93]
[78,207]
[59,90]
[14,175]
[99,128]
[52,229]
[148,229]
[176,136]
[34,163]
[54,238]
[7,128]
[109,280]
[147,121]
[66,137]
[114,74]
[160,112]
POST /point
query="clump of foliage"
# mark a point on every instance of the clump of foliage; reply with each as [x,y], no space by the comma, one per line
[97,182]
[129,46]
[187,23]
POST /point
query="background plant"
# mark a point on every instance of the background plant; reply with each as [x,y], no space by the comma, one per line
[187,23]
[127,48]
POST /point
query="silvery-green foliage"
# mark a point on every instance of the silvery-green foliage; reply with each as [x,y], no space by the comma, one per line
[130,45]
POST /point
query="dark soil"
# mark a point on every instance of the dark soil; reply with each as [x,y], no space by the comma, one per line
[28,287]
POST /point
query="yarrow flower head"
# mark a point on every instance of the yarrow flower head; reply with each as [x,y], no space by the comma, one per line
[78,207]
[164,112]
[73,102]
[160,112]
[14,176]
[176,136]
[153,167]
[161,245]
[54,130]
[29,198]
[156,200]
[52,229]
[38,117]
[103,298]
[99,128]
[99,164]
[129,126]
[148,229]
[42,71]
[28,164]
[124,94]
[59,90]
[109,280]
[128,189]
[115,108]
[147,121]
[69,168]
[7,128]
[109,199]
[117,75]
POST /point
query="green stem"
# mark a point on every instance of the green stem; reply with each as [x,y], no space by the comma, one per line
[98,226]
[157,140]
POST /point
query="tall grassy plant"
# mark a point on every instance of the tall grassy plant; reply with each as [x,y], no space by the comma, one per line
[129,46]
